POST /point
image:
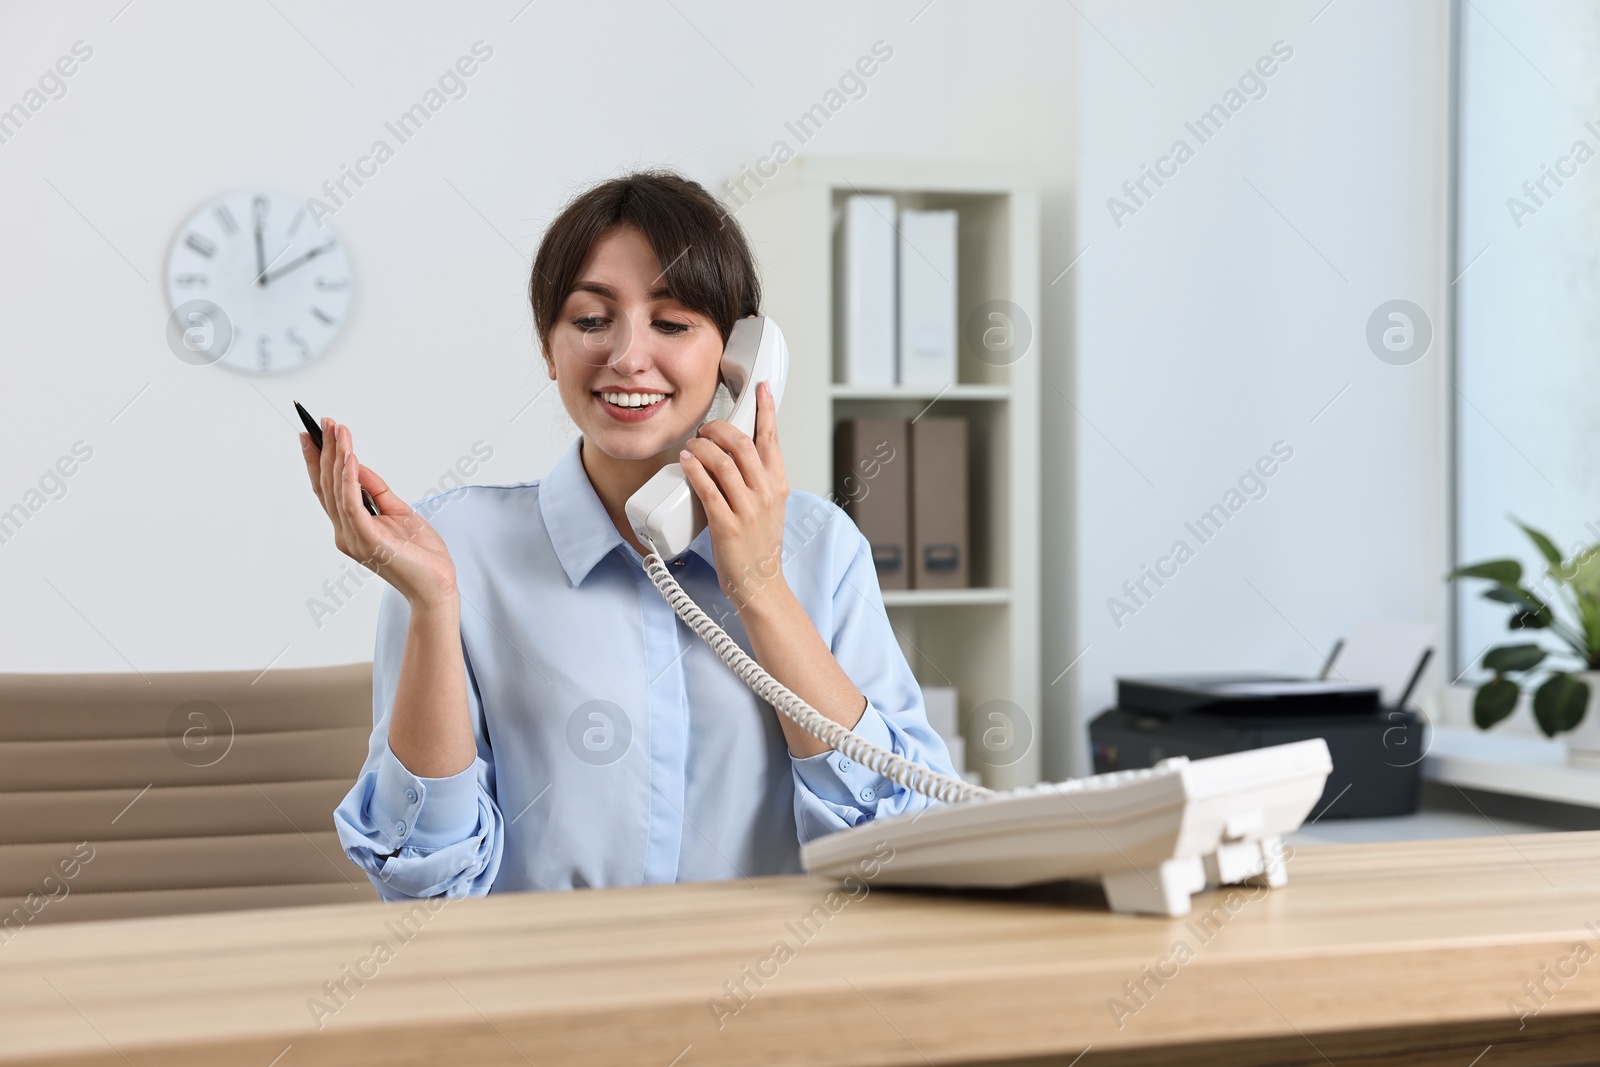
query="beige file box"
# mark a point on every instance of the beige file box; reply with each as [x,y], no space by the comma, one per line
[939,540]
[871,467]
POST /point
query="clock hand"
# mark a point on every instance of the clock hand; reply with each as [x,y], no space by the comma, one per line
[294,263]
[261,252]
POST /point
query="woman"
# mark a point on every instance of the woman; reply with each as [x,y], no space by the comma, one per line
[541,718]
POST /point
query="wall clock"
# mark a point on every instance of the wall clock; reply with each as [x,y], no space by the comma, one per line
[256,284]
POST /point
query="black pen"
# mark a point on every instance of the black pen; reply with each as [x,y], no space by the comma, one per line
[316,439]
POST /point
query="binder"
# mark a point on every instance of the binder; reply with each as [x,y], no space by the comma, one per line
[939,541]
[927,327]
[864,292]
[872,483]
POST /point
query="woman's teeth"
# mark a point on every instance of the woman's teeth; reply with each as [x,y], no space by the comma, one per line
[632,400]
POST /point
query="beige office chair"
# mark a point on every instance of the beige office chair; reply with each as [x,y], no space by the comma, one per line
[193,791]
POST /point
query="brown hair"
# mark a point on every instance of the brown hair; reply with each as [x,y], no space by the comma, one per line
[708,265]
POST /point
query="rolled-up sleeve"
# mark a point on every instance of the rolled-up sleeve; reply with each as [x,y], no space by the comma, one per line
[833,792]
[413,836]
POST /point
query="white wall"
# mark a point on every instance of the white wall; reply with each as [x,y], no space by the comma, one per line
[1225,315]
[190,539]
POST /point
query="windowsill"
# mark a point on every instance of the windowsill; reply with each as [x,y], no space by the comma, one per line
[1499,762]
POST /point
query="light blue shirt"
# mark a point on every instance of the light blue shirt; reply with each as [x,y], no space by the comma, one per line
[614,747]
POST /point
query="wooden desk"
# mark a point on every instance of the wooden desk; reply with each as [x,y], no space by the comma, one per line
[1373,954]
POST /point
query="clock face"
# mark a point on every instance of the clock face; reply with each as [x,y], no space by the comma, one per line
[256,284]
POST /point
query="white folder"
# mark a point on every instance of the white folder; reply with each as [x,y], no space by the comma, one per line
[864,292]
[927,297]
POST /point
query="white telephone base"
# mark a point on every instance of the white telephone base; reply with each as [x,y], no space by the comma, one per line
[1151,837]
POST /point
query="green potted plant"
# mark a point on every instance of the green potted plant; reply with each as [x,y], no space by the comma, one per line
[1565,678]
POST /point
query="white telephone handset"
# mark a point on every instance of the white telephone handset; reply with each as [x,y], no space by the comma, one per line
[665,513]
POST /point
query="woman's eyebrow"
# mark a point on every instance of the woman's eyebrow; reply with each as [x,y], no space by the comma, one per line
[659,293]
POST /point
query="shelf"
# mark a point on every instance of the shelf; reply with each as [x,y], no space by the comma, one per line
[1496,762]
[924,598]
[982,639]
[920,392]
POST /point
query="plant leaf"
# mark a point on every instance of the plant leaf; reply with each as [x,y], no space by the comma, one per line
[1535,613]
[1513,658]
[1495,700]
[1584,573]
[1589,618]
[1516,595]
[1503,571]
[1559,704]
[1547,548]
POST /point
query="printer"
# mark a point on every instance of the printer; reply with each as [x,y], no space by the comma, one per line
[1377,750]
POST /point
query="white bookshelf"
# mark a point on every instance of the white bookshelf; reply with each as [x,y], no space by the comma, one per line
[983,640]
[918,392]
[910,598]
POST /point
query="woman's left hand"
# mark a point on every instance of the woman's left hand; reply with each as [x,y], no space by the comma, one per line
[741,486]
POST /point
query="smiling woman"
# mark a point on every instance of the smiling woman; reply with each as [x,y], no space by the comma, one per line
[623,749]
[634,293]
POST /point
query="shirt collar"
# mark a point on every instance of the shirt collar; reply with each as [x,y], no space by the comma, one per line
[580,529]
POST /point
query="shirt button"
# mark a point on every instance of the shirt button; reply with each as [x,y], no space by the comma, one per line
[845,764]
[868,794]
[400,828]
[411,796]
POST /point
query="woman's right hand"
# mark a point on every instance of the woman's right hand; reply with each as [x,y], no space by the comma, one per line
[397,543]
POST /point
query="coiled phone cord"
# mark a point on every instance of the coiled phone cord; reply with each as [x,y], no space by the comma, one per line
[842,739]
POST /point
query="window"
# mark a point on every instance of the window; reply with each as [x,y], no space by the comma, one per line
[1527,360]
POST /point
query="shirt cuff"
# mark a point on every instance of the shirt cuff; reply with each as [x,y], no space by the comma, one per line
[425,813]
[836,778]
